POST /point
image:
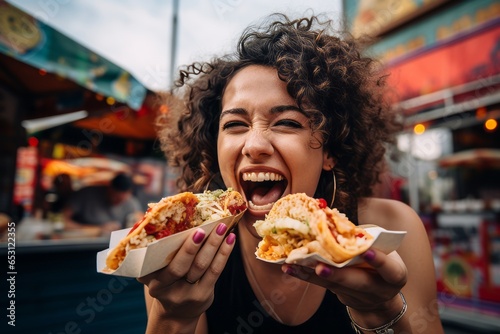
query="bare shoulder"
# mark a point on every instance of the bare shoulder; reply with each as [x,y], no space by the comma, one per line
[389,214]
[397,216]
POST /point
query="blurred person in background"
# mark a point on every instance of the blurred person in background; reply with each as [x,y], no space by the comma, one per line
[56,197]
[103,208]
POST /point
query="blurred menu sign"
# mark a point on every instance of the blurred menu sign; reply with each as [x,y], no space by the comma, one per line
[24,185]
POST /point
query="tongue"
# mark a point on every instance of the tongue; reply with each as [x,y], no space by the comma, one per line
[266,195]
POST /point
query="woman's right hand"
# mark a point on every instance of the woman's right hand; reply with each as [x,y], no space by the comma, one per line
[185,288]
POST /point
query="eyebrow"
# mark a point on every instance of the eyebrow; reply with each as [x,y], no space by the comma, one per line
[274,110]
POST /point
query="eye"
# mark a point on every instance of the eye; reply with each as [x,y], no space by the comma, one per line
[289,123]
[233,125]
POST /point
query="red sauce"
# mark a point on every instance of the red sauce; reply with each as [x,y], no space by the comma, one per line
[150,228]
[136,225]
[162,234]
[235,209]
[171,226]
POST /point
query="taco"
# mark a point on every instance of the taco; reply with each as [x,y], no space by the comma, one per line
[299,223]
[174,214]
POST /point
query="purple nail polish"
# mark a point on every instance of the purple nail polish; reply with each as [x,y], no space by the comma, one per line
[290,271]
[325,272]
[221,229]
[199,236]
[230,238]
[369,255]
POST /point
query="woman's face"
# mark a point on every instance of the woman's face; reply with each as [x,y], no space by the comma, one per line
[265,145]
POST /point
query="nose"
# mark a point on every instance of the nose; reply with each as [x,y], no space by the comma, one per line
[257,145]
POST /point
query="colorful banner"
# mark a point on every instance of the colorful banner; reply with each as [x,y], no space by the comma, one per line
[375,17]
[471,58]
[458,18]
[31,41]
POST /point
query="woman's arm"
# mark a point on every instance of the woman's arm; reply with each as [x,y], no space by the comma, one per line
[371,291]
[415,251]
[422,315]
[159,321]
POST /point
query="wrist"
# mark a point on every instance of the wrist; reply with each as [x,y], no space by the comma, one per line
[172,326]
[159,320]
[381,320]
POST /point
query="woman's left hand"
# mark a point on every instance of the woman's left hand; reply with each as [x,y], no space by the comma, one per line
[367,287]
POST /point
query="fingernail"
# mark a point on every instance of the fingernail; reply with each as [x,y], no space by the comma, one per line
[325,272]
[369,255]
[199,236]
[221,229]
[230,238]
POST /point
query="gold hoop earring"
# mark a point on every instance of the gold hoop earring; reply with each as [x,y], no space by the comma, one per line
[334,188]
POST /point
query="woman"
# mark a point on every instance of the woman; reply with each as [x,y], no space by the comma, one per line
[295,106]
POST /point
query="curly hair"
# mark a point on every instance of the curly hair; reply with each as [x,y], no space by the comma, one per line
[340,89]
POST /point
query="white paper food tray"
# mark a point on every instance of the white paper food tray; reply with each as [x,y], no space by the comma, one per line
[383,240]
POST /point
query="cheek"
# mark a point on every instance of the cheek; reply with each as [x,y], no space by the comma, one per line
[227,154]
[224,151]
[305,166]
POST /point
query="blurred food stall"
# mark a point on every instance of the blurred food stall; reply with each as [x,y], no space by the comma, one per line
[65,110]
[69,119]
[443,63]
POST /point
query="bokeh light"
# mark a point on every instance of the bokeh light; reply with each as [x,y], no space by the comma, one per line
[418,129]
[491,124]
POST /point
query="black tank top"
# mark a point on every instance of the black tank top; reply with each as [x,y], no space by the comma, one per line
[236,309]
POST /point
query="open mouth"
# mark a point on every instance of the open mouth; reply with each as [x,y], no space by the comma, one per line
[262,189]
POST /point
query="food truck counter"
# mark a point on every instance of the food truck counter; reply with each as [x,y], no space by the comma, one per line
[53,286]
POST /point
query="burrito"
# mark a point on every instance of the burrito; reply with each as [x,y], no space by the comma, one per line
[301,224]
[175,214]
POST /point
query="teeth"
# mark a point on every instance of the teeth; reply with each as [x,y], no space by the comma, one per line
[265,207]
[261,177]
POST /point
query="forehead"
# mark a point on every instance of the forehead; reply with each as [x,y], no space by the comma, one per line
[256,84]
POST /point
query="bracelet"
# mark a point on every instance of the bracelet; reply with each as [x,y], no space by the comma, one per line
[384,329]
